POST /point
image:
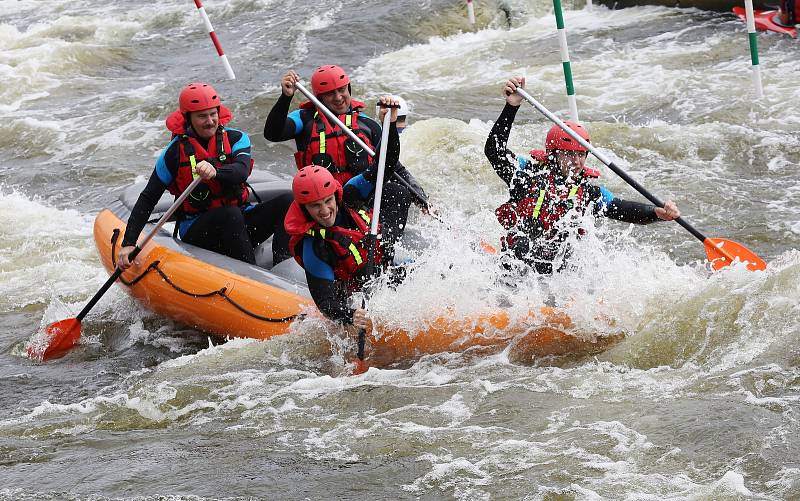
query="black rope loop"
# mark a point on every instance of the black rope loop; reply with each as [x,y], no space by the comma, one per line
[154,266]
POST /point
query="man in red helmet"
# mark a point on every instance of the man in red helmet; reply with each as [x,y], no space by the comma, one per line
[328,228]
[217,215]
[549,189]
[320,142]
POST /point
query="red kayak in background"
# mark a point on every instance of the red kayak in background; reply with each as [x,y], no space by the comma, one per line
[767,20]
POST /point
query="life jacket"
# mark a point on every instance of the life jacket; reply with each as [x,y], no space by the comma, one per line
[331,148]
[350,252]
[209,194]
[537,210]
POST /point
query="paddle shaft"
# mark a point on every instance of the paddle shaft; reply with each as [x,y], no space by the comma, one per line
[333,118]
[611,165]
[114,276]
[376,214]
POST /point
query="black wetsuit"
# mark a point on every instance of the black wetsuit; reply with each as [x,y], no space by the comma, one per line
[282,126]
[229,230]
[529,242]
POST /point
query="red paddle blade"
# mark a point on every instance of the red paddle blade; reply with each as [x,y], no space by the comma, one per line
[360,367]
[722,252]
[487,247]
[59,338]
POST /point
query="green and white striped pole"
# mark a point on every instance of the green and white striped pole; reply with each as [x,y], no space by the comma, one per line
[751,34]
[562,42]
[470,12]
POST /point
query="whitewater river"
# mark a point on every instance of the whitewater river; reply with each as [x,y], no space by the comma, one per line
[699,401]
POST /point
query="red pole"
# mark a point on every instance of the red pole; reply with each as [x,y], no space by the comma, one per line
[214,39]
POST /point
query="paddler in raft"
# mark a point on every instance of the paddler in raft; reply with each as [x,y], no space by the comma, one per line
[320,142]
[217,215]
[329,225]
[550,190]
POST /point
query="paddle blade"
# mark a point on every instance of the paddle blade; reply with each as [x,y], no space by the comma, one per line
[359,366]
[487,247]
[722,252]
[59,338]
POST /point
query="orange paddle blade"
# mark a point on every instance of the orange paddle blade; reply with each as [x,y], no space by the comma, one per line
[59,338]
[487,247]
[360,366]
[722,252]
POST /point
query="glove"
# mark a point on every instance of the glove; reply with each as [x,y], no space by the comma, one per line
[351,196]
[371,174]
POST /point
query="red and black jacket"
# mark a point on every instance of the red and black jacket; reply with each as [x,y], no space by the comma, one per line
[341,250]
[342,247]
[210,194]
[330,147]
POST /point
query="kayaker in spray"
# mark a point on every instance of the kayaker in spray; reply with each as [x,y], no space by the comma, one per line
[329,225]
[218,215]
[550,190]
[320,142]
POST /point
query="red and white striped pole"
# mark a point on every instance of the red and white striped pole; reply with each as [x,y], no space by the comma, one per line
[470,12]
[214,39]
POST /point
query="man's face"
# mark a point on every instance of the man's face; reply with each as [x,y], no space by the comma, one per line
[338,100]
[570,163]
[205,122]
[323,211]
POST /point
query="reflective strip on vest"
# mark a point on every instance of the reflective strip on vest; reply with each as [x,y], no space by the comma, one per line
[348,121]
[572,192]
[355,253]
[365,216]
[351,246]
[192,161]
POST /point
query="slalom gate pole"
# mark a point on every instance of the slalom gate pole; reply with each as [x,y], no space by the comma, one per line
[214,39]
[562,42]
[470,12]
[753,38]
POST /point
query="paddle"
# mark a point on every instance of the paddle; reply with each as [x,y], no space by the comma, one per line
[361,366]
[64,334]
[721,252]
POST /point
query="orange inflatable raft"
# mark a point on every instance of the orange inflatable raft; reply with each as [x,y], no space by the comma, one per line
[230,298]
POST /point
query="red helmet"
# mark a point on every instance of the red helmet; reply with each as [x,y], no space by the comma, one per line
[198,96]
[558,139]
[312,183]
[328,78]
